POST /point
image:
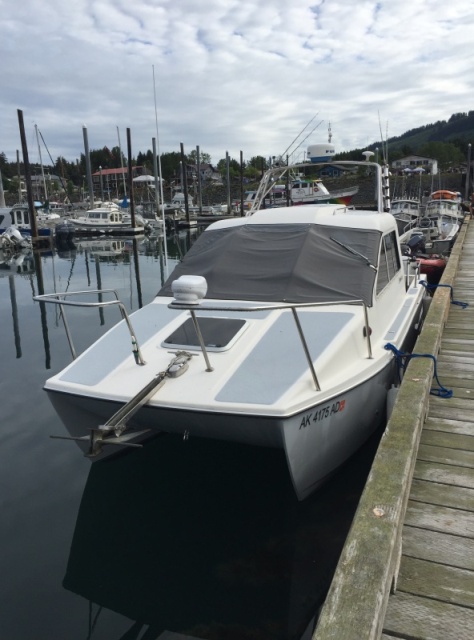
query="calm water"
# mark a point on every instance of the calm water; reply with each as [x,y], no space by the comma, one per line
[199,538]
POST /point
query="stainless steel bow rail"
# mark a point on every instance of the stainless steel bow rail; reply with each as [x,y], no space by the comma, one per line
[60,299]
[113,431]
[273,307]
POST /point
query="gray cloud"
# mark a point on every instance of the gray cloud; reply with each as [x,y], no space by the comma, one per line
[230,75]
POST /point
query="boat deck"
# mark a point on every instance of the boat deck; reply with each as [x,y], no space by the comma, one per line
[407,569]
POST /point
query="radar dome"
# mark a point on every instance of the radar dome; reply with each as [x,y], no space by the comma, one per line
[321,152]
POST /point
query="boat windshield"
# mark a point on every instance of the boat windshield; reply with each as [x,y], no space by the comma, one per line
[283,263]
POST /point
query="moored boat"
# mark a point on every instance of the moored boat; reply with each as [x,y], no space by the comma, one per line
[109,218]
[271,331]
[407,212]
[444,205]
[301,191]
[18,216]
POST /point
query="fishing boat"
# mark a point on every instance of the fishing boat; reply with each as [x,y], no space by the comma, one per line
[444,206]
[407,212]
[18,216]
[271,331]
[302,191]
[109,218]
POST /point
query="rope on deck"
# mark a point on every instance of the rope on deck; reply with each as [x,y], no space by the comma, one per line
[404,358]
[435,286]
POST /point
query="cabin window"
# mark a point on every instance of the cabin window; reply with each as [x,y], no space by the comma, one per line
[389,262]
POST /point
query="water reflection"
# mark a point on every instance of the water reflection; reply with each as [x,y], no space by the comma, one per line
[88,257]
[208,540]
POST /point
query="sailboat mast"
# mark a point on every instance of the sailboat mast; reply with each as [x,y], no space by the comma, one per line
[41,163]
[20,195]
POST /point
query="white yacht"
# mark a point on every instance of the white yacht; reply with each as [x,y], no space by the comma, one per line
[272,331]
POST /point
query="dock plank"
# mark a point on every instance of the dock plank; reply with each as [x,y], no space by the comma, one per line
[442,519]
[452,426]
[454,413]
[417,618]
[458,375]
[437,581]
[448,440]
[442,548]
[444,473]
[447,357]
[456,457]
[451,403]
[445,495]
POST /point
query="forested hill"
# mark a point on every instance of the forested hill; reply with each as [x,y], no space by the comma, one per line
[456,133]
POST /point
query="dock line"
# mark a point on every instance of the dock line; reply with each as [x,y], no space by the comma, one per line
[404,358]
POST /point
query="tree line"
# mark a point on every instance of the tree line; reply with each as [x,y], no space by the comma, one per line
[424,141]
[73,175]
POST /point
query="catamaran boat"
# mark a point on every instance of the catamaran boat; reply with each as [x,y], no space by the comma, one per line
[271,331]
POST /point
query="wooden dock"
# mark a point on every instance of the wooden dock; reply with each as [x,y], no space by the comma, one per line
[407,568]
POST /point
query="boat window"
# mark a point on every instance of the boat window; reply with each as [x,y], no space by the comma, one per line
[389,263]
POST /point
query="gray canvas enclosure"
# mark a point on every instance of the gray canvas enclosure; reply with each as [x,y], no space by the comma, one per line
[283,263]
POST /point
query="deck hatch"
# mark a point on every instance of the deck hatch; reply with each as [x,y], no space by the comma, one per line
[218,333]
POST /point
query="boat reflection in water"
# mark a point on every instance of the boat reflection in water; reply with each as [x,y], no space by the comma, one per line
[207,540]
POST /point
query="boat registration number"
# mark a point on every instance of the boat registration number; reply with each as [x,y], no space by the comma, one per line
[322,414]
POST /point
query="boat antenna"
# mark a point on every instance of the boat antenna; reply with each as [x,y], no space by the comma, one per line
[384,145]
[160,175]
[329,133]
[306,137]
[295,139]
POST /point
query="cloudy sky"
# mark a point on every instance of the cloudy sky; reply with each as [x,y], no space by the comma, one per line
[257,76]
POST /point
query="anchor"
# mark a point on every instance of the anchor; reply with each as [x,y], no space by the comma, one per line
[112,432]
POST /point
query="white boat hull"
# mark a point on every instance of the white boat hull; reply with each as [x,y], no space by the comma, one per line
[316,441]
[272,332]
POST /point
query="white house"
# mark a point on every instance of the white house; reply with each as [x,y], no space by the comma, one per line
[416,162]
